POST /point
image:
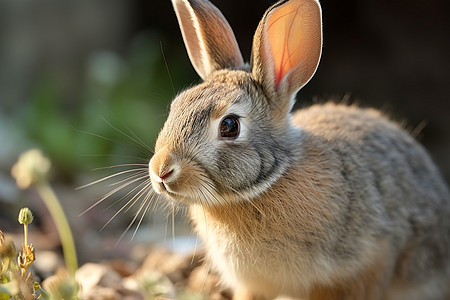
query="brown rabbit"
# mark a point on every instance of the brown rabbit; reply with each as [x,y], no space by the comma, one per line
[330,202]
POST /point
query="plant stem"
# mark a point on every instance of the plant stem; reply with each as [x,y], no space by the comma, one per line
[62,225]
[25,234]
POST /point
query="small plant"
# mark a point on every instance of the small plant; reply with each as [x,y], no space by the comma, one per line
[31,170]
[15,281]
[26,257]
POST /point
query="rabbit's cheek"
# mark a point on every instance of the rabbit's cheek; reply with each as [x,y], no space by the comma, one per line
[187,177]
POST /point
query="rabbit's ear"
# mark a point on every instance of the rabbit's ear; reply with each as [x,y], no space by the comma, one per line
[208,37]
[287,46]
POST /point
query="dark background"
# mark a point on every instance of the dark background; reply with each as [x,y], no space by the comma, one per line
[71,71]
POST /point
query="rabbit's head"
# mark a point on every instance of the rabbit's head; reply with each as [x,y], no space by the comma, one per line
[230,137]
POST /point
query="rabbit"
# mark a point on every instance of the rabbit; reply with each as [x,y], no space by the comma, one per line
[332,201]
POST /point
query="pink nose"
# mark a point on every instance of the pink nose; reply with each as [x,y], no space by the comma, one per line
[160,178]
[161,167]
[164,176]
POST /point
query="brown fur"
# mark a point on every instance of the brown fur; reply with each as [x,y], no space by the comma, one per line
[310,214]
[369,283]
[331,202]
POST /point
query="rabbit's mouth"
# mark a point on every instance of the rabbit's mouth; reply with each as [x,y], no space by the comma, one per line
[164,182]
[187,192]
[180,180]
[159,182]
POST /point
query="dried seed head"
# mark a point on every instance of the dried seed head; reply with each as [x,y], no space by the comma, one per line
[7,248]
[31,168]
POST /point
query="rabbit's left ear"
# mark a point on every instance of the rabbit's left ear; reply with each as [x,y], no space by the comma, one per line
[208,37]
[287,46]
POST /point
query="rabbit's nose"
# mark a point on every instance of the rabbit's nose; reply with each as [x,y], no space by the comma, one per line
[161,169]
[160,178]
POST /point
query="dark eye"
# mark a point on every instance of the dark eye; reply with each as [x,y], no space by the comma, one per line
[229,127]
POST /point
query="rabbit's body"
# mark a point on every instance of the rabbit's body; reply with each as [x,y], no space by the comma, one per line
[353,218]
[331,202]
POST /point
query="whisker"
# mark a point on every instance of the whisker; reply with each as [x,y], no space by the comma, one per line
[257,208]
[205,179]
[146,187]
[147,199]
[195,248]
[203,196]
[226,211]
[131,223]
[211,193]
[216,191]
[109,194]
[210,260]
[117,156]
[130,186]
[173,227]
[109,177]
[139,174]
[94,135]
[166,225]
[145,184]
[167,68]
[130,203]
[121,166]
[146,149]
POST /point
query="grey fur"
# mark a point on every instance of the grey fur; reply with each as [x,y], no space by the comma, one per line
[330,202]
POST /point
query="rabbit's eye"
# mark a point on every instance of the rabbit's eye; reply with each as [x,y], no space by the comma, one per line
[229,127]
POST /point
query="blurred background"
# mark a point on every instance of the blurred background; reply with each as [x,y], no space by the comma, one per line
[89,82]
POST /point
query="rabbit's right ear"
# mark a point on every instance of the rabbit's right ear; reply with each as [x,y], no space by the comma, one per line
[287,47]
[208,37]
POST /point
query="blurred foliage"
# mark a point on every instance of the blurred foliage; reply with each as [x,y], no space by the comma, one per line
[123,105]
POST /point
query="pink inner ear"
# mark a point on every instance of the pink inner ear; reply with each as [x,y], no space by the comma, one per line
[287,32]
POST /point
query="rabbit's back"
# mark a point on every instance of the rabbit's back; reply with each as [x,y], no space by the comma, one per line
[389,188]
[379,152]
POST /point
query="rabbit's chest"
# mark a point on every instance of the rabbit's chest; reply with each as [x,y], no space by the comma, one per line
[242,260]
[256,257]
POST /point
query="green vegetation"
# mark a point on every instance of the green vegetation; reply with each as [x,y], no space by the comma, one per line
[121,106]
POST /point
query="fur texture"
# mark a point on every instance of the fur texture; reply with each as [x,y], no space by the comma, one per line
[330,202]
